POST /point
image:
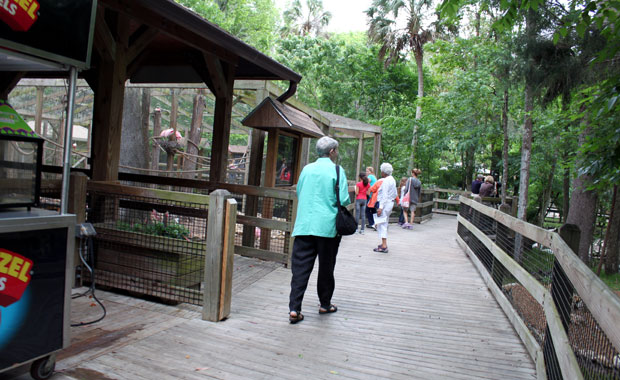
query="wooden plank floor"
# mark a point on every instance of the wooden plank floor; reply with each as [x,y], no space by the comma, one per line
[419,312]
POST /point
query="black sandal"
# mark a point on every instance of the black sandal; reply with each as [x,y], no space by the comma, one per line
[297,318]
[330,309]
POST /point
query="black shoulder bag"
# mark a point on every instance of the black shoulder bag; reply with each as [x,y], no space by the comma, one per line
[345,222]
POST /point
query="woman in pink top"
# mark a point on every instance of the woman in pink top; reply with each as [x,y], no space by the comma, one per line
[361,191]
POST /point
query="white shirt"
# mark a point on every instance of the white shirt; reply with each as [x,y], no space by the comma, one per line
[387,191]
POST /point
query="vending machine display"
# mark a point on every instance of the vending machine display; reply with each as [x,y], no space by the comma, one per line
[35,252]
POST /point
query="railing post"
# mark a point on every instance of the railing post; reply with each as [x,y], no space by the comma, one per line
[219,256]
[77,205]
[571,234]
[290,239]
[562,298]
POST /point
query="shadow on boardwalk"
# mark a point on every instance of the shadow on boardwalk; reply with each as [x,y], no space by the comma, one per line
[419,312]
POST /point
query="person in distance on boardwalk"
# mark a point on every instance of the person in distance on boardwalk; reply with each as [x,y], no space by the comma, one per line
[386,196]
[475,186]
[315,228]
[361,197]
[413,187]
[487,189]
[370,209]
[401,193]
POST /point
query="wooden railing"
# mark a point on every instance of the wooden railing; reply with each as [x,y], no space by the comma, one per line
[265,219]
[193,266]
[446,201]
[568,319]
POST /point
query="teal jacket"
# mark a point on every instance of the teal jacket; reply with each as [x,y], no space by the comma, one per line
[316,199]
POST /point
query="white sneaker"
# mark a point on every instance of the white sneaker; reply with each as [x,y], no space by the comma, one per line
[362,232]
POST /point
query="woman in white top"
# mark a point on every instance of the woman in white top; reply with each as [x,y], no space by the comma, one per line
[385,198]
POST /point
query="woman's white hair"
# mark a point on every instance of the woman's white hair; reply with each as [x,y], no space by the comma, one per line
[386,168]
[324,145]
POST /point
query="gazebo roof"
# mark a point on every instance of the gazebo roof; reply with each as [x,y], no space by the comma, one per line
[345,124]
[272,114]
[174,43]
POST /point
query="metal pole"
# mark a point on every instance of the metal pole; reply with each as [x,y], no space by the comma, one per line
[66,166]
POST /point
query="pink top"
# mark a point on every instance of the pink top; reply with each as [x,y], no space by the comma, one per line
[362,190]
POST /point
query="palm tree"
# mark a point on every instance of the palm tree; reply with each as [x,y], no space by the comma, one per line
[312,23]
[394,40]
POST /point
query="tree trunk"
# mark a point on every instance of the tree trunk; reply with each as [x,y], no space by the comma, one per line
[193,137]
[526,153]
[612,238]
[156,131]
[174,105]
[582,211]
[566,193]
[134,146]
[419,58]
[469,165]
[546,195]
[505,147]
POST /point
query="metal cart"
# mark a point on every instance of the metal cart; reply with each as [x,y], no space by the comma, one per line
[36,261]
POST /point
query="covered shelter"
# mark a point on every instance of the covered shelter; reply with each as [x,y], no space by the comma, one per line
[286,127]
[146,41]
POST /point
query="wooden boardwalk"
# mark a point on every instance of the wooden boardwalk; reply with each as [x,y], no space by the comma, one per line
[419,312]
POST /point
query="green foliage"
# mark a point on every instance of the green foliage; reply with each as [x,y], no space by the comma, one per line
[253,21]
[311,22]
[170,229]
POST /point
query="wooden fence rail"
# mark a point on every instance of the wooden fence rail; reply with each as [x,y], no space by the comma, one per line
[569,272]
[174,269]
[446,201]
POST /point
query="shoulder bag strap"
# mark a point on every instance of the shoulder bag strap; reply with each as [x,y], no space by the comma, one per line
[337,186]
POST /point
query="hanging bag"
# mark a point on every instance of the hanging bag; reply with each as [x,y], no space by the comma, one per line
[345,222]
[404,202]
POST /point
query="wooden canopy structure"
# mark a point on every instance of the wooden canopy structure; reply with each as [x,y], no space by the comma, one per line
[283,124]
[159,41]
[253,92]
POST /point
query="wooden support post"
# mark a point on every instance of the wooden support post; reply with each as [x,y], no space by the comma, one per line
[218,257]
[270,181]
[156,132]
[290,239]
[376,152]
[254,167]
[222,74]
[360,155]
[38,115]
[77,206]
[228,254]
[109,97]
[305,153]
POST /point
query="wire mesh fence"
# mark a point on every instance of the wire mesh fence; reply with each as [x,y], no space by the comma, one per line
[595,354]
[275,238]
[264,223]
[148,245]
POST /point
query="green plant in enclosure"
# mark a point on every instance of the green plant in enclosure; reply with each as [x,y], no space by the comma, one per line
[158,225]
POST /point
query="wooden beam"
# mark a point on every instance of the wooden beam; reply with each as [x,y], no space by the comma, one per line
[108,105]
[104,40]
[140,39]
[221,126]
[218,78]
[8,81]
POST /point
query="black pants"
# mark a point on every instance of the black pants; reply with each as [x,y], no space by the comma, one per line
[369,215]
[305,251]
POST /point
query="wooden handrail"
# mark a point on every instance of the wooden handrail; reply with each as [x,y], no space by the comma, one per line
[602,303]
[116,188]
